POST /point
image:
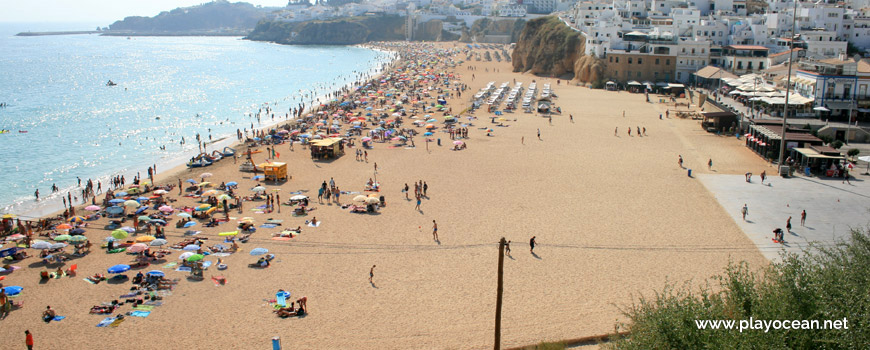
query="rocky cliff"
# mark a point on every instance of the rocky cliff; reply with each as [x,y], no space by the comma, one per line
[345,31]
[546,46]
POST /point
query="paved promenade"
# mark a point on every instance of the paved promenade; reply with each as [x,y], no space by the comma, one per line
[832,207]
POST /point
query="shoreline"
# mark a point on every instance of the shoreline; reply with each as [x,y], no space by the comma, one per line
[178,163]
[131,33]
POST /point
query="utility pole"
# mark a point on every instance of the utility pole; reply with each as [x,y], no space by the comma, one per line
[499,293]
[787,88]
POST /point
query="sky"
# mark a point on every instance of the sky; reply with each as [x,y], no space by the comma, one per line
[102,12]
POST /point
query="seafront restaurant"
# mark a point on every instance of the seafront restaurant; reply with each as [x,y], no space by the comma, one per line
[764,137]
[818,160]
[329,148]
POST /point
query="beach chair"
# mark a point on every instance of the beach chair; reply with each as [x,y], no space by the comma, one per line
[72,270]
[281,299]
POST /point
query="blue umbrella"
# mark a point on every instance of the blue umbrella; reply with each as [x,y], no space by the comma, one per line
[427,134]
[156,273]
[121,194]
[142,199]
[191,181]
[232,183]
[76,231]
[13,290]
[119,268]
[259,251]
[158,221]
[8,252]
[191,247]
[258,177]
[128,229]
[190,224]
[141,209]
[116,201]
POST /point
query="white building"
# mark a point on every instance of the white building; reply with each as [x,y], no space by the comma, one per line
[692,55]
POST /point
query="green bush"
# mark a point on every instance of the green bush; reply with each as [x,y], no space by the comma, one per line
[826,283]
[854,152]
[837,144]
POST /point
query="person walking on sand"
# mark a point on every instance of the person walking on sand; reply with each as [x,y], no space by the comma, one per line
[376,167]
[803,217]
[36,194]
[763,175]
[532,245]
[571,117]
[425,189]
[28,339]
[539,134]
[372,274]
[418,203]
[680,161]
[507,248]
[710,164]
[616,131]
[788,224]
[434,230]
[406,191]
[744,211]
[629,131]
[523,140]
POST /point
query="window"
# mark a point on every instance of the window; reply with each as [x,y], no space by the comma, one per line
[617,60]
[638,74]
[668,62]
[847,90]
[684,50]
[699,33]
[628,73]
[720,33]
[639,60]
[739,64]
[656,75]
[657,61]
[862,91]
[749,65]
[703,50]
[611,58]
[679,75]
[693,51]
[629,60]
[760,65]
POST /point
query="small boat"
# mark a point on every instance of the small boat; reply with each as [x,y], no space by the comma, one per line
[22,131]
[111,83]
[4,131]
[216,155]
[229,152]
[199,163]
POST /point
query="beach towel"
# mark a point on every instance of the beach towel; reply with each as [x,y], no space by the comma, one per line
[318,224]
[191,233]
[116,322]
[268,226]
[183,269]
[153,303]
[206,264]
[144,308]
[58,318]
[128,295]
[116,250]
[106,321]
[170,265]
[261,207]
[139,313]
[281,299]
[89,281]
[221,254]
[274,222]
[281,238]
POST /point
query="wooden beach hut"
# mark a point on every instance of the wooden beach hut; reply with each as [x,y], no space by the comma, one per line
[274,171]
[328,148]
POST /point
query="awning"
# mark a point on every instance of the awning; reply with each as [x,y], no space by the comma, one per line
[633,83]
[811,153]
[711,72]
[834,105]
[676,85]
[821,109]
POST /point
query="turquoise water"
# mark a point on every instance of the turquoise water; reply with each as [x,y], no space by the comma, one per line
[55,88]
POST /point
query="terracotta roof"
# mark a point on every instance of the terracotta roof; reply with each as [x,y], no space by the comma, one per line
[709,72]
[748,47]
[785,52]
[864,66]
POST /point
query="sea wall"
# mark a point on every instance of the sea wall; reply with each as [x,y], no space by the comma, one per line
[546,46]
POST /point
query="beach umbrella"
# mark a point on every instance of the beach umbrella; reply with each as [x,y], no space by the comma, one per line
[185,255]
[209,193]
[92,208]
[128,229]
[359,198]
[145,239]
[430,126]
[156,273]
[191,247]
[160,192]
[40,245]
[78,239]
[232,183]
[457,143]
[205,184]
[298,197]
[204,175]
[15,237]
[121,194]
[116,201]
[158,242]
[365,139]
[110,239]
[247,219]
[58,245]
[132,204]
[259,251]
[195,257]
[165,209]
[119,234]
[8,216]
[13,290]
[136,248]
[142,199]
[190,181]
[184,215]
[62,238]
[190,224]
[120,268]
[428,133]
[259,189]
[141,210]
[63,227]
[157,222]
[233,233]
[372,201]
[203,207]
[133,190]
[144,218]
[258,177]
[77,231]
[225,197]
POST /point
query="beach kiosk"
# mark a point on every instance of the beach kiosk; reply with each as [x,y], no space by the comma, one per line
[274,171]
[328,148]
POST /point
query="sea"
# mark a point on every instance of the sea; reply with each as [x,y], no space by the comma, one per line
[64,123]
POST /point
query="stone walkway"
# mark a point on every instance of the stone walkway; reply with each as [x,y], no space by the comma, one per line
[833,208]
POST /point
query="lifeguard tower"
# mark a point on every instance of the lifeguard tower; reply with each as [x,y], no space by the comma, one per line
[274,171]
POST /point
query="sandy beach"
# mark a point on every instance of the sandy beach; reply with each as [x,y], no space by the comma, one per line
[615,217]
